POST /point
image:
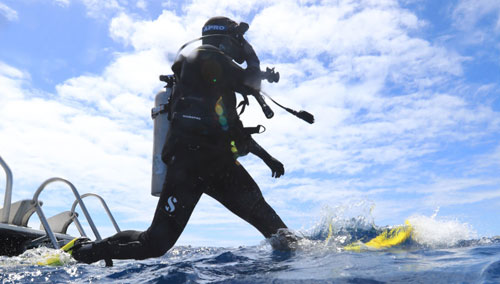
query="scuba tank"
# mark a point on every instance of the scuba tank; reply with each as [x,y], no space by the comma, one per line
[159,114]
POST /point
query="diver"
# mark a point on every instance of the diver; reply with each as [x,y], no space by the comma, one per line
[203,143]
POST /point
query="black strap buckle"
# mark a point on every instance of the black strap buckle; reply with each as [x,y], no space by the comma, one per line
[159,109]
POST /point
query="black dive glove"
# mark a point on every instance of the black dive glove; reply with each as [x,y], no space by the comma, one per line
[276,167]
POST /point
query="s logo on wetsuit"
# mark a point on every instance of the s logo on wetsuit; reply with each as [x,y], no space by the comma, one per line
[170,207]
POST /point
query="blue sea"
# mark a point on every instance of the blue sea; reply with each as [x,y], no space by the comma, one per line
[439,251]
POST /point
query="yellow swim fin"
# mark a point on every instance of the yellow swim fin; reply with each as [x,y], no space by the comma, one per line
[55,258]
[69,246]
[386,239]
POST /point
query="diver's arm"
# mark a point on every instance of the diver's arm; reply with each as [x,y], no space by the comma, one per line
[245,80]
[276,166]
[252,72]
[250,56]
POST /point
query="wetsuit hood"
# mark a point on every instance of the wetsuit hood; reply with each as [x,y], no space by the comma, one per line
[230,41]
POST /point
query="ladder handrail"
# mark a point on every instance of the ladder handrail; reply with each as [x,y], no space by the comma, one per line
[39,211]
[106,208]
[79,227]
[8,192]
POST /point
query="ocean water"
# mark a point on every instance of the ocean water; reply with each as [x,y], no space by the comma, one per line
[439,251]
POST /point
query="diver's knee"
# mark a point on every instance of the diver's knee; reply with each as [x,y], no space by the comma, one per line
[161,239]
[159,249]
[261,209]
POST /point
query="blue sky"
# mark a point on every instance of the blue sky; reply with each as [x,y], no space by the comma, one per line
[405,95]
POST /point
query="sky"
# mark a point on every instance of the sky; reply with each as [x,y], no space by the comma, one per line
[405,95]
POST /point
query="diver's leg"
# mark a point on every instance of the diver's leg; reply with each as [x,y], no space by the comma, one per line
[179,196]
[239,193]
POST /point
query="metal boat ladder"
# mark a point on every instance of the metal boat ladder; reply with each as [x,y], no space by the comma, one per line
[72,214]
[58,223]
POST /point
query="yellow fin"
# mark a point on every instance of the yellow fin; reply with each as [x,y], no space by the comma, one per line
[54,258]
[386,239]
[51,260]
[356,247]
[69,246]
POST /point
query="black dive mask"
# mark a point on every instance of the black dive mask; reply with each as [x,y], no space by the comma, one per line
[227,35]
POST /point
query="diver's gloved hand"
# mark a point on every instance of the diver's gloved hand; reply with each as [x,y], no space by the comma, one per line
[276,167]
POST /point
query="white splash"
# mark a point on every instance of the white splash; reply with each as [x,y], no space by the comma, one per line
[37,256]
[434,232]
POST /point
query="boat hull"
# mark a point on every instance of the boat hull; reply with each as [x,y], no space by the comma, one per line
[14,240]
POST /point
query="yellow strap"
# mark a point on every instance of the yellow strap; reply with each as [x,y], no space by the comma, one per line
[330,233]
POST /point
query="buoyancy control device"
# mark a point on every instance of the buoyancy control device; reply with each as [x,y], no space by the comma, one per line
[160,115]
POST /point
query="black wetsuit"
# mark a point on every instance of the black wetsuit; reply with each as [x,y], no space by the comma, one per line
[203,142]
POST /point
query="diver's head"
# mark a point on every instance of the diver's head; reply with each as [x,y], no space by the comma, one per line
[227,35]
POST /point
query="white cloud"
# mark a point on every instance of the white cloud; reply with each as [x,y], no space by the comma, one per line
[199,11]
[165,34]
[121,28]
[346,28]
[478,18]
[45,137]
[468,13]
[141,4]
[102,9]
[8,13]
[12,81]
[62,3]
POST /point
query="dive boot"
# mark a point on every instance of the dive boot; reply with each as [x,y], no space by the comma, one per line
[284,240]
